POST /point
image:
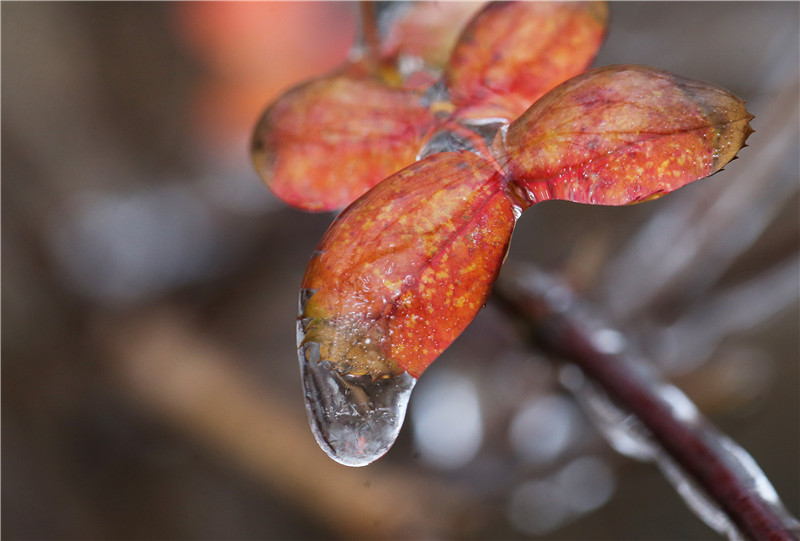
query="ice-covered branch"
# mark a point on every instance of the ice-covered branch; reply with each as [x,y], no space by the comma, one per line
[645,418]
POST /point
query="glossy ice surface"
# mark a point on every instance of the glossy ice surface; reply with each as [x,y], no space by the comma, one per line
[355,419]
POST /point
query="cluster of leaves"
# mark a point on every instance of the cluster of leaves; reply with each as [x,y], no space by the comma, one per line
[436,167]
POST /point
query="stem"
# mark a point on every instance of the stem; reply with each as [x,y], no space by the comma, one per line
[559,327]
[369,30]
[366,52]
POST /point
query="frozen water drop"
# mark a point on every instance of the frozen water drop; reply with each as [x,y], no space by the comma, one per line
[305,294]
[487,128]
[303,323]
[355,419]
[445,141]
[436,93]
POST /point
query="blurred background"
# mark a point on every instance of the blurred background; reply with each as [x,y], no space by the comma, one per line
[149,380]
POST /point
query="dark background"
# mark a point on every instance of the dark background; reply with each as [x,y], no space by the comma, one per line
[149,381]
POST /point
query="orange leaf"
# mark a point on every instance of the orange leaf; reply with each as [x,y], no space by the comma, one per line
[326,142]
[622,134]
[405,268]
[513,53]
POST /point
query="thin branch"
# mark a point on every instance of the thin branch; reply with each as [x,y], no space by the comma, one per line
[366,47]
[722,470]
[720,315]
[187,380]
[369,29]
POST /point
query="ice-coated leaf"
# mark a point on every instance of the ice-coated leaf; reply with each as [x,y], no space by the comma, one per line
[326,142]
[512,53]
[405,268]
[623,134]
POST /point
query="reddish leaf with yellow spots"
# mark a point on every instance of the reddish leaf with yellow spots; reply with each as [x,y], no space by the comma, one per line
[622,134]
[406,267]
[324,143]
[513,53]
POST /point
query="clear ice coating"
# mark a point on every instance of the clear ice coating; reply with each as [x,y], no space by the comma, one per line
[355,419]
[445,141]
[448,140]
[628,436]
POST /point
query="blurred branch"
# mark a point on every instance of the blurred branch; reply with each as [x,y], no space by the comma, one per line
[368,42]
[184,379]
[694,453]
[722,315]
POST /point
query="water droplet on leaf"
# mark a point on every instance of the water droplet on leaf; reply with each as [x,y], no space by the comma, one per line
[355,419]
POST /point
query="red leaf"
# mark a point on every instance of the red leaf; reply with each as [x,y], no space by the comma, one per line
[513,53]
[324,143]
[622,134]
[406,267]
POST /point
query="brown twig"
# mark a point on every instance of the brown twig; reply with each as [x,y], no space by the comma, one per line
[559,326]
[370,42]
[189,381]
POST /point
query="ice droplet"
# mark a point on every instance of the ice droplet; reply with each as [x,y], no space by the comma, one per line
[355,419]
[445,141]
[302,299]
